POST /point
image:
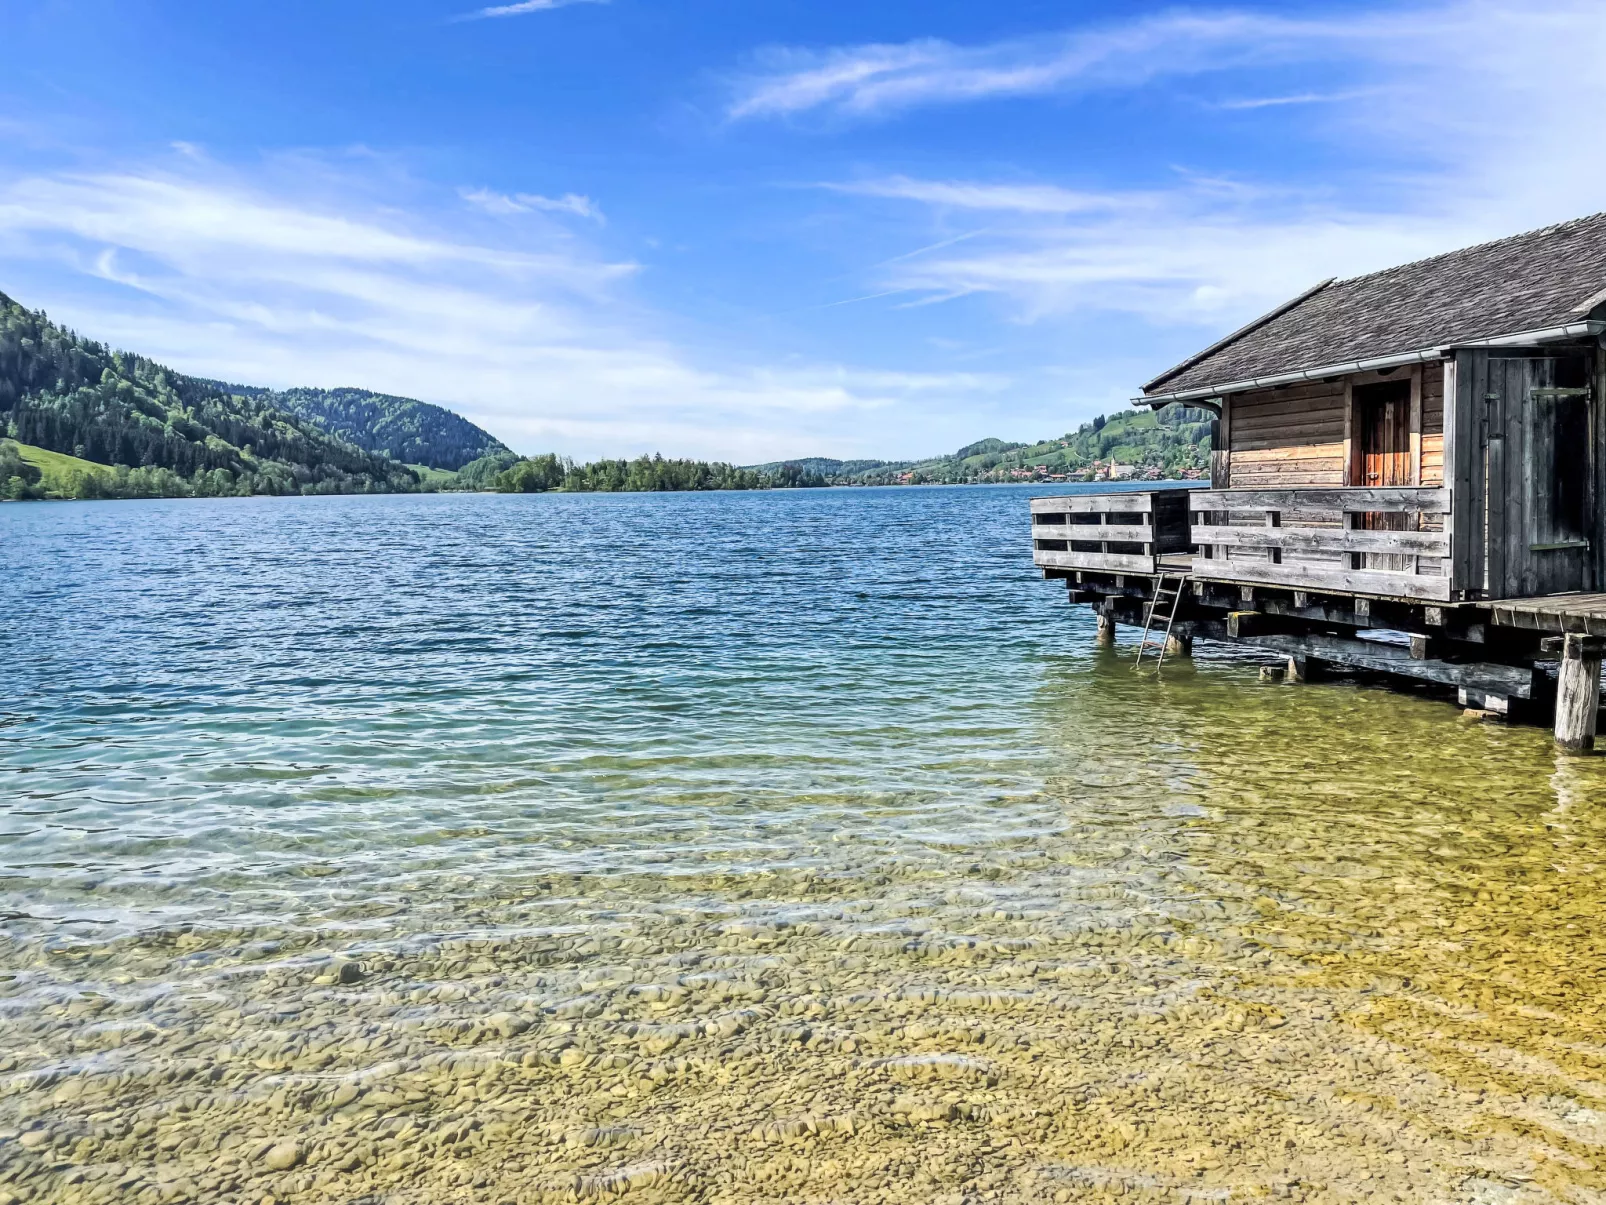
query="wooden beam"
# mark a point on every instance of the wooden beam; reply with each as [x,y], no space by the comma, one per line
[1116,562]
[1487,676]
[1244,623]
[1123,533]
[1324,539]
[1575,644]
[1432,500]
[1416,424]
[1123,502]
[1379,583]
[1221,457]
[1352,475]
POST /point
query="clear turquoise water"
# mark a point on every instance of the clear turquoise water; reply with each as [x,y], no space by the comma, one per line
[210,705]
[792,846]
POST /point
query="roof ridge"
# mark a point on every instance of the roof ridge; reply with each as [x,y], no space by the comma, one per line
[1505,238]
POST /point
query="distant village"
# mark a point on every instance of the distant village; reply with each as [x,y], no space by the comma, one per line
[1099,470]
[1109,470]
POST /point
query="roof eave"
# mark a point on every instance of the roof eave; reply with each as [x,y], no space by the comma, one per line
[1572,330]
[1228,340]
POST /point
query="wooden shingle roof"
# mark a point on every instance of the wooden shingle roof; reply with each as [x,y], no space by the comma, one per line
[1530,282]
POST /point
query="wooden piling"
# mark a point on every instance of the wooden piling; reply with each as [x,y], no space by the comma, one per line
[1578,691]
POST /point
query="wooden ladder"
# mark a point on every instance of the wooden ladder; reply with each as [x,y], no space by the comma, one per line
[1157,621]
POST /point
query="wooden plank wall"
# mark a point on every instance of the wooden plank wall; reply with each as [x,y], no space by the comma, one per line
[1432,424]
[1299,437]
[1288,438]
[1294,436]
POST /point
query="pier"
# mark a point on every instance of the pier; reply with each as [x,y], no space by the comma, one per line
[1406,479]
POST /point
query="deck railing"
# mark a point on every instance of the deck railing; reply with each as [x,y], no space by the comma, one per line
[1391,542]
[1124,531]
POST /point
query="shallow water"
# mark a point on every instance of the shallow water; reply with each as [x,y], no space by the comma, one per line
[772,847]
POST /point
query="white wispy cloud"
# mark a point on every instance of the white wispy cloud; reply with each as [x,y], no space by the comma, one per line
[526,330]
[1297,98]
[1461,122]
[524,202]
[864,80]
[523,7]
[970,194]
[874,79]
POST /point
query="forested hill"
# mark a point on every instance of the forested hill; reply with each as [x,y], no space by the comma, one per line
[67,394]
[402,428]
[1171,444]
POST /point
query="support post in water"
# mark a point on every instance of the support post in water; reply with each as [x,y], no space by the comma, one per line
[1106,629]
[1301,669]
[1577,689]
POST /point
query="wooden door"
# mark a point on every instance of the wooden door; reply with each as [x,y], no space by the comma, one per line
[1543,520]
[1383,417]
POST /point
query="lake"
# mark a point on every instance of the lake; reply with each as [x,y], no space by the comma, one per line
[783,846]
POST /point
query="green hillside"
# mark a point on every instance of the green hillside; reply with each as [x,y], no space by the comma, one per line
[1172,444]
[402,428]
[63,393]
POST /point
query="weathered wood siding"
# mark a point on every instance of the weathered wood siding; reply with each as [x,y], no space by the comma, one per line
[1290,437]
[1308,538]
[1123,531]
[1432,424]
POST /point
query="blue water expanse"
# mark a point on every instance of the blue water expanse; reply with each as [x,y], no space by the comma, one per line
[749,847]
[208,700]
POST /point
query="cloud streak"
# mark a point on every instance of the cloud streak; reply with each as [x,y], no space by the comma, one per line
[522,8]
[875,79]
[1459,123]
[525,330]
[884,78]
[524,202]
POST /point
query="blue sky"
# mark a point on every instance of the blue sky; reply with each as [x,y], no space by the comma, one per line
[755,230]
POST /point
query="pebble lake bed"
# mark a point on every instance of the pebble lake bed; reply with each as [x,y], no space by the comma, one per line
[795,846]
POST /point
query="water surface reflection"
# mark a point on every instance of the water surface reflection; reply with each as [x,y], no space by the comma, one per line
[907,895]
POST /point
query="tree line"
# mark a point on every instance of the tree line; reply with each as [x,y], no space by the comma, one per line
[645,474]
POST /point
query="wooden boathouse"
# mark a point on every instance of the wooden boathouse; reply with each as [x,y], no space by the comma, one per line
[1406,477]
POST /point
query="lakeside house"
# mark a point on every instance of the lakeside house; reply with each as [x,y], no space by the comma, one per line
[1416,450]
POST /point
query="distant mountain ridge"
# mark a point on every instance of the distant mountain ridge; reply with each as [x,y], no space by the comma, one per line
[1174,443]
[822,465]
[402,428]
[66,394]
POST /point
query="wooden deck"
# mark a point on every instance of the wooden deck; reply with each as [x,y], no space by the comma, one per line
[1553,613]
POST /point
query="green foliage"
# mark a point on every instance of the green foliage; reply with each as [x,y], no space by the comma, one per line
[645,474]
[401,428]
[822,467]
[66,394]
[1168,444]
[983,447]
[481,474]
[19,479]
[533,476]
